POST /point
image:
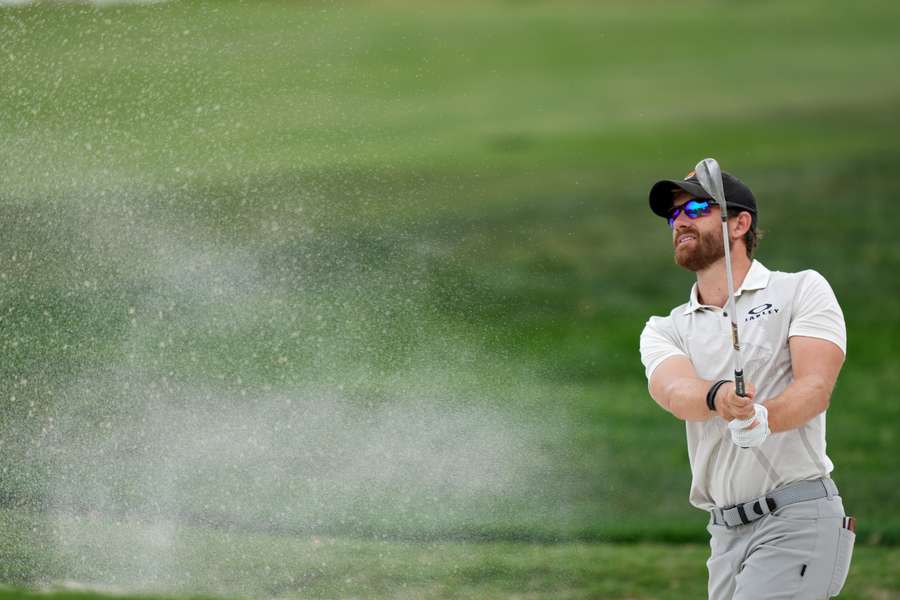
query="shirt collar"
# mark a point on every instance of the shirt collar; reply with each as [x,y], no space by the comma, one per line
[756,279]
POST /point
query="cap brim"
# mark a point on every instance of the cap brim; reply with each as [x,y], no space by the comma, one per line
[662,193]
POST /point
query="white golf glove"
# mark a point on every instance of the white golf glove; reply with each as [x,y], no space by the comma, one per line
[750,438]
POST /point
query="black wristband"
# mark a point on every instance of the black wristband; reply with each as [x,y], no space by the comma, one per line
[711,394]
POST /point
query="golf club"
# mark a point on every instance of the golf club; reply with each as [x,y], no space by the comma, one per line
[710,177]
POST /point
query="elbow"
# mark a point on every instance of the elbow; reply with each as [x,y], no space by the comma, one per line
[662,394]
[663,400]
[821,393]
[669,400]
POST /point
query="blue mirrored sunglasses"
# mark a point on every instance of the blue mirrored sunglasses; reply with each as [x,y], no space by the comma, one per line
[691,208]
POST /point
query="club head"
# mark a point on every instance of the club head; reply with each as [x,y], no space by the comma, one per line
[710,177]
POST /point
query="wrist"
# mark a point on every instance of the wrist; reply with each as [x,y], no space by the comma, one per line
[711,394]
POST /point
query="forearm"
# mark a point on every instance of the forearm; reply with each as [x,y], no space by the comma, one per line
[802,400]
[685,398]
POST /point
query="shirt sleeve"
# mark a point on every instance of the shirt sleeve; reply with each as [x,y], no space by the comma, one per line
[659,341]
[817,313]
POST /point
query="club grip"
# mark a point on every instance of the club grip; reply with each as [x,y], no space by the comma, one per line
[739,383]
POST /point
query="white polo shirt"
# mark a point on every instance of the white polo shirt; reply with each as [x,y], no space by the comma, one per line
[772,307]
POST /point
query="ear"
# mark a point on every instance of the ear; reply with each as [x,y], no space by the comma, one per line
[740,224]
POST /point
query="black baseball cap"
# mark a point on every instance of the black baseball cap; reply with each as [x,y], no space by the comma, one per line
[737,194]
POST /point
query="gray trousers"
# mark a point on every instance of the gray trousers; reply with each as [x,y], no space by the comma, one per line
[801,552]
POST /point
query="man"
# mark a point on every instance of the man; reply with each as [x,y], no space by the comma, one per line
[758,463]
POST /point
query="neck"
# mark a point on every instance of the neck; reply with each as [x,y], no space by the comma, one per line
[711,286]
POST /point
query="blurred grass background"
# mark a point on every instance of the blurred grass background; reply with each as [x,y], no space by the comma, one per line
[377,271]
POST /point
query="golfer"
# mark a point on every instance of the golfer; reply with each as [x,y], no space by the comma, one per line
[758,462]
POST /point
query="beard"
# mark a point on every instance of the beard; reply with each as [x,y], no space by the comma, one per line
[705,251]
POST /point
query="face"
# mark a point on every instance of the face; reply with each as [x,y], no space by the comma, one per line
[698,242]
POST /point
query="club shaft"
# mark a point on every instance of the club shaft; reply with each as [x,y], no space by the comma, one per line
[732,310]
[710,176]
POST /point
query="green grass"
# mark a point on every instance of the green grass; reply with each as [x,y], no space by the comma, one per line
[368,270]
[140,558]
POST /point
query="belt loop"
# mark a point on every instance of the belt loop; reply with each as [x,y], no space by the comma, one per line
[827,487]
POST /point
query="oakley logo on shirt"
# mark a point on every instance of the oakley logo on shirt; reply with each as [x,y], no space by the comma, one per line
[760,311]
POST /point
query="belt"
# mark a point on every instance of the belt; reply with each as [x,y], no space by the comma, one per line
[747,512]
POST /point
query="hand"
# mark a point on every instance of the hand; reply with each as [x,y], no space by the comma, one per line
[730,406]
[753,431]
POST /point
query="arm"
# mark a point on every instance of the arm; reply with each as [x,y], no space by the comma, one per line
[674,383]
[675,386]
[815,363]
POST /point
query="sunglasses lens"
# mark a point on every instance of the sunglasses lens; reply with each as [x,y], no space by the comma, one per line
[673,214]
[692,208]
[696,208]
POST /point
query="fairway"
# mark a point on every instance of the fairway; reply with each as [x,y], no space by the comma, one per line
[213,562]
[373,274]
